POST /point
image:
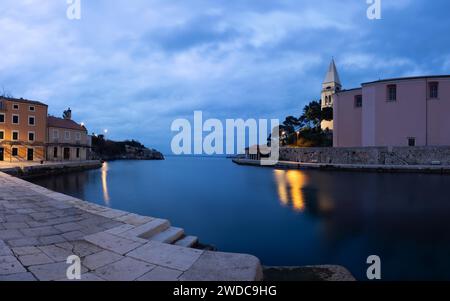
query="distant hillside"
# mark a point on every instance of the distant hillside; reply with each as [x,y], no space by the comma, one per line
[122,150]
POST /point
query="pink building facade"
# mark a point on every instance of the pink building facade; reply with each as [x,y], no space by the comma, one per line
[411,111]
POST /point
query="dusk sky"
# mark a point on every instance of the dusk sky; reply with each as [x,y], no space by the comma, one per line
[132,67]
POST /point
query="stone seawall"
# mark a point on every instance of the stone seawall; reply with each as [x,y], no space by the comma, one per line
[369,155]
[38,170]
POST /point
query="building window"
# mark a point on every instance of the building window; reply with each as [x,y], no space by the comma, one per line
[78,152]
[434,90]
[31,136]
[67,135]
[55,152]
[358,101]
[31,120]
[15,151]
[392,92]
[32,108]
[15,107]
[2,135]
[15,119]
[15,135]
[2,118]
[411,141]
[78,136]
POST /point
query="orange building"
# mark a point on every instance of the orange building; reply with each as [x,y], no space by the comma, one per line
[23,130]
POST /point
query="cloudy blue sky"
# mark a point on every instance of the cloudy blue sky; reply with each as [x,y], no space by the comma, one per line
[134,66]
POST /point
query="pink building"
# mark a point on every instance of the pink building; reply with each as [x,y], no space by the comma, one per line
[412,111]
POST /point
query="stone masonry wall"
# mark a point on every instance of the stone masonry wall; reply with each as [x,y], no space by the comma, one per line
[368,155]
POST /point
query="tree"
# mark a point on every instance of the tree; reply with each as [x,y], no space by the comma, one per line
[306,130]
[312,114]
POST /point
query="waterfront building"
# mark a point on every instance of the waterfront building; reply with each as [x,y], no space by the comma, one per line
[67,140]
[22,130]
[408,111]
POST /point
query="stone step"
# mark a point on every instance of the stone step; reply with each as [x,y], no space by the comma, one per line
[149,229]
[187,241]
[168,236]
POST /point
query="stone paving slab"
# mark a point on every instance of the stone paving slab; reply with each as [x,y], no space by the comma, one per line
[112,242]
[51,272]
[169,256]
[218,266]
[101,259]
[127,269]
[10,265]
[35,259]
[161,274]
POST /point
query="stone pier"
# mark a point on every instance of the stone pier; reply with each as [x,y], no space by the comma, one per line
[40,229]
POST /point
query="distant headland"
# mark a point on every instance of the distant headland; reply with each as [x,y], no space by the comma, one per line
[109,150]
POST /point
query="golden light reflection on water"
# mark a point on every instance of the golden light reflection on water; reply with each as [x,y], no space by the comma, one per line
[106,197]
[290,184]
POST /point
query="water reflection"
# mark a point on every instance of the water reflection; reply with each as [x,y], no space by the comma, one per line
[290,184]
[106,197]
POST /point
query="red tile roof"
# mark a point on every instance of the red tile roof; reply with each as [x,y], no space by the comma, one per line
[64,123]
[21,100]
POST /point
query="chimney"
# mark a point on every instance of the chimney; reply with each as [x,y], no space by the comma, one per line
[67,114]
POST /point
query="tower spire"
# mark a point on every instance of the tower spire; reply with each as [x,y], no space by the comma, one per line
[332,75]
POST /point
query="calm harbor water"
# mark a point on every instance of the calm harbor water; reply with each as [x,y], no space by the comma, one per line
[286,217]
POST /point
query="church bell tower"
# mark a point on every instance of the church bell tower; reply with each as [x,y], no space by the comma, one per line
[330,86]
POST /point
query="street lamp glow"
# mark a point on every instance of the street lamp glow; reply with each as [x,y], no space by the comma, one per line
[105,131]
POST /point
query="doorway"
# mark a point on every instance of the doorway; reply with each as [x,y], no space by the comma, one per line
[2,154]
[66,153]
[30,154]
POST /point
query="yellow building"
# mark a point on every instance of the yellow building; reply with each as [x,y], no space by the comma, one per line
[67,140]
[23,125]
